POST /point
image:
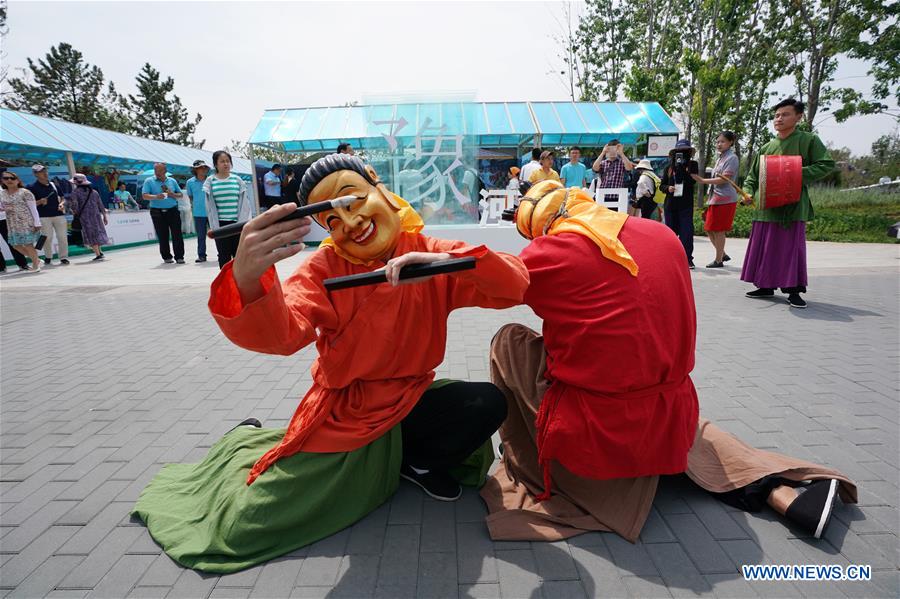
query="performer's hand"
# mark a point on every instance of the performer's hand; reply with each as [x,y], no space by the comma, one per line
[392,268]
[264,241]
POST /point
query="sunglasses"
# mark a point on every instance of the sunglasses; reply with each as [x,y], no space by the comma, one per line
[9,178]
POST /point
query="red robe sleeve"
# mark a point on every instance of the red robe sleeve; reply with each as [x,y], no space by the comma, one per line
[284,320]
[498,281]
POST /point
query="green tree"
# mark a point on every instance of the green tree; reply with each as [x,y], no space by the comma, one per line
[879,45]
[156,111]
[62,85]
[606,44]
[242,149]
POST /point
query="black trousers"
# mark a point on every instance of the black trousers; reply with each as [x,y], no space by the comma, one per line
[167,221]
[227,246]
[451,422]
[19,257]
[682,223]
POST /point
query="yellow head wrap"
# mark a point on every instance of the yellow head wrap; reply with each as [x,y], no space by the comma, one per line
[410,222]
[550,209]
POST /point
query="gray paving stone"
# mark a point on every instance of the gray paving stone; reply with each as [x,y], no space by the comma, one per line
[438,528]
[599,574]
[485,590]
[554,561]
[475,554]
[437,576]
[97,529]
[101,560]
[46,576]
[26,561]
[649,586]
[192,584]
[119,581]
[699,544]
[277,578]
[518,573]
[110,433]
[677,570]
[357,577]
[563,589]
[20,536]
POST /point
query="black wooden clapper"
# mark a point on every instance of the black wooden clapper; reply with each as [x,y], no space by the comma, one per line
[413,271]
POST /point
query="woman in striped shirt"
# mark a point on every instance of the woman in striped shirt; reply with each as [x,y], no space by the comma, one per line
[226,202]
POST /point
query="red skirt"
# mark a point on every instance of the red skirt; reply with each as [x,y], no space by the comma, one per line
[719,217]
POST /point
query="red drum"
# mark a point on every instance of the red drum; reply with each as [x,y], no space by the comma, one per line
[780,180]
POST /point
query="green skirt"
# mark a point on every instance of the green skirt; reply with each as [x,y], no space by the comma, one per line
[205,516]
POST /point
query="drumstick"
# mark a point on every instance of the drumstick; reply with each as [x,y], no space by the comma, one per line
[746,198]
[412,271]
[310,209]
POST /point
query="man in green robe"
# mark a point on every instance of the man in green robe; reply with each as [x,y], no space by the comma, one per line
[776,255]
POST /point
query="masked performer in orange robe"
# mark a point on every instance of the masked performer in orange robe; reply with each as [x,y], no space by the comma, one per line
[587,438]
[373,412]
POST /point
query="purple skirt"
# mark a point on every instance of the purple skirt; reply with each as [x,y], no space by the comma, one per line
[776,256]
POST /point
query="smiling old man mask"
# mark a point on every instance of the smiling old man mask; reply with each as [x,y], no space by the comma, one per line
[366,231]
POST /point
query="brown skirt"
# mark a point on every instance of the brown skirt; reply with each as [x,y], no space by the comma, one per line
[718,462]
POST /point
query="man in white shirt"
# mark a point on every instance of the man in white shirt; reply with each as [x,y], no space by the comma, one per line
[272,186]
[532,166]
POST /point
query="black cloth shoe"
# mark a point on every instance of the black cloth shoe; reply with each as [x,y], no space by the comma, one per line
[813,506]
[248,422]
[168,260]
[691,264]
[46,260]
[762,292]
[63,261]
[715,264]
[98,257]
[437,484]
[726,258]
[796,301]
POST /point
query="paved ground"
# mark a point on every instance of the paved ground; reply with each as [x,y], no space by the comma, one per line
[110,370]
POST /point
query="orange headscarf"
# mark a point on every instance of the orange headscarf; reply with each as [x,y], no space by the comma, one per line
[550,209]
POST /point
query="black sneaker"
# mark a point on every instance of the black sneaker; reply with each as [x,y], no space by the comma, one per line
[715,264]
[813,506]
[179,260]
[726,258]
[691,264]
[64,261]
[199,260]
[437,484]
[98,257]
[46,260]
[248,422]
[168,260]
[796,301]
[762,292]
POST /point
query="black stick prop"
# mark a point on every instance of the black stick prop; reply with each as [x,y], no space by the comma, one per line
[412,271]
[308,210]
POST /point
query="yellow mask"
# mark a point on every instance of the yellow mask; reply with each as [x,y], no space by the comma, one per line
[367,230]
[549,209]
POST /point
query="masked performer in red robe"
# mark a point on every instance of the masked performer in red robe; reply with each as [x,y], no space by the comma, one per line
[373,412]
[586,439]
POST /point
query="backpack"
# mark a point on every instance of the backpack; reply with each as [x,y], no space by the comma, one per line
[659,196]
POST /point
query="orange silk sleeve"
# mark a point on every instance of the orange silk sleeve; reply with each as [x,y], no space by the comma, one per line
[281,322]
[498,281]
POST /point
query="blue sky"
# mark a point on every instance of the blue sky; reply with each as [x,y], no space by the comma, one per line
[232,60]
